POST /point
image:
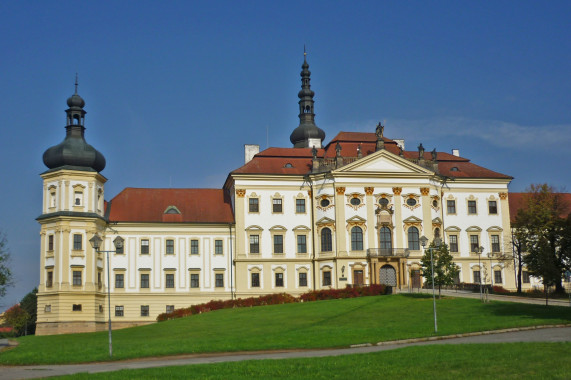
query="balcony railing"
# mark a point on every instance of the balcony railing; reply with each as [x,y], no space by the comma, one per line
[388,252]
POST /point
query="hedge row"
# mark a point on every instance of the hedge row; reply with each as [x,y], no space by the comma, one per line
[276,299]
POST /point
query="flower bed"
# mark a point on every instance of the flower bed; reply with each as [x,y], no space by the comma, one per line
[275,299]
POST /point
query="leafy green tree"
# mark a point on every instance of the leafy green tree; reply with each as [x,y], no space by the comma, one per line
[543,227]
[5,272]
[30,304]
[17,318]
[445,270]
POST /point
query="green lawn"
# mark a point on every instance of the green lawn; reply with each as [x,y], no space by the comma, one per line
[334,323]
[469,361]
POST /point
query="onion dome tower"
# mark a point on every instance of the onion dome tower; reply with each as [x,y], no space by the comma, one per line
[307,134]
[74,152]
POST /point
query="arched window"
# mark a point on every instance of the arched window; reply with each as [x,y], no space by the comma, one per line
[386,238]
[436,233]
[326,240]
[413,238]
[356,239]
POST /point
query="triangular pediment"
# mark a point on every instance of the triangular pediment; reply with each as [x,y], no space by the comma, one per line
[356,219]
[325,220]
[412,219]
[384,161]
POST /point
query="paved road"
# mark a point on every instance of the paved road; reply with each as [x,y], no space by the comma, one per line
[561,334]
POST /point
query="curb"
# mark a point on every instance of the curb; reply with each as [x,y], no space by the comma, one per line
[463,335]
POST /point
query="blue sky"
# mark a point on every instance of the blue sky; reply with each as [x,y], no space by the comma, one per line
[174,89]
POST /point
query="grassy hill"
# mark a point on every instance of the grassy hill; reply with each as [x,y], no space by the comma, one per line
[333,323]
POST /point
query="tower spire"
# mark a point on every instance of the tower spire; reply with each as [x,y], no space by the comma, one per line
[76,83]
[307,134]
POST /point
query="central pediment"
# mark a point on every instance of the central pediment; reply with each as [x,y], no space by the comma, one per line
[384,162]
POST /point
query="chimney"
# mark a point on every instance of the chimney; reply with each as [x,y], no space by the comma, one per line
[456,152]
[400,143]
[250,150]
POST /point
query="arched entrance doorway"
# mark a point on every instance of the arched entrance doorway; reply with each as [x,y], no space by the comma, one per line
[388,275]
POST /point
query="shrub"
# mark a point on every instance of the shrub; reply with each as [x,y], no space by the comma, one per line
[275,299]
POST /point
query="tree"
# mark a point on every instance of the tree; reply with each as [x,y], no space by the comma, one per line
[5,273]
[30,304]
[543,228]
[17,318]
[445,270]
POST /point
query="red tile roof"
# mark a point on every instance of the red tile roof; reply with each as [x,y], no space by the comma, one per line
[274,160]
[149,205]
[518,201]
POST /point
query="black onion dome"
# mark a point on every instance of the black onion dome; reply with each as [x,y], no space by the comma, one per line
[306,129]
[74,151]
[75,101]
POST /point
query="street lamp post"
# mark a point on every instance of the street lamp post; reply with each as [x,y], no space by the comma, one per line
[96,241]
[437,241]
[479,252]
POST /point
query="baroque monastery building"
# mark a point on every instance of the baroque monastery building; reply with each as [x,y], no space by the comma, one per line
[311,216]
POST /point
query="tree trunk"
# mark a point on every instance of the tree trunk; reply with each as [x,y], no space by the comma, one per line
[546,295]
[439,292]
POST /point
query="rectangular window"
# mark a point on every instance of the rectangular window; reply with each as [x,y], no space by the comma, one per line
[52,200]
[99,282]
[77,278]
[278,244]
[453,243]
[170,308]
[276,205]
[326,278]
[254,243]
[218,247]
[119,280]
[492,207]
[50,242]
[194,280]
[170,247]
[77,242]
[194,247]
[144,310]
[255,280]
[120,250]
[498,276]
[48,308]
[50,279]
[119,311]
[300,206]
[279,280]
[145,280]
[144,247]
[525,277]
[474,244]
[476,276]
[169,280]
[219,280]
[495,243]
[302,279]
[301,244]
[254,205]
[472,207]
[76,307]
[451,206]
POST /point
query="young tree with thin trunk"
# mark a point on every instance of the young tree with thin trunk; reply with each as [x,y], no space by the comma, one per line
[445,270]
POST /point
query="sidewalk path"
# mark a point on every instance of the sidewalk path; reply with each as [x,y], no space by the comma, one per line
[549,334]
[491,297]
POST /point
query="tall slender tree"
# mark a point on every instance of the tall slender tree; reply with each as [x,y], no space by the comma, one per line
[5,272]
